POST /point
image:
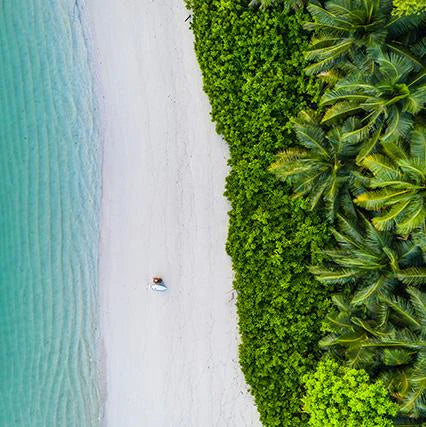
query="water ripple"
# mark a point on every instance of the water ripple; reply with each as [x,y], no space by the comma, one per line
[49,209]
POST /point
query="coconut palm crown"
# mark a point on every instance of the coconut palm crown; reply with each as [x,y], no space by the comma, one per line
[397,184]
[321,168]
[389,337]
[371,260]
[347,28]
[389,98]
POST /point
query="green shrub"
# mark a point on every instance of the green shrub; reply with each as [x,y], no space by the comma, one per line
[252,64]
[341,396]
[409,7]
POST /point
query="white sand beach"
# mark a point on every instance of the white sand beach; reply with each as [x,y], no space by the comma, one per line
[170,358]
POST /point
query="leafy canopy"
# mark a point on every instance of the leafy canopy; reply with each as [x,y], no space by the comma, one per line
[341,396]
[409,7]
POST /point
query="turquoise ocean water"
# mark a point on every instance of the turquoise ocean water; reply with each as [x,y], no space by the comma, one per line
[50,179]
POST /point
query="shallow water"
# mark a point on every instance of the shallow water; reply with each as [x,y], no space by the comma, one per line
[50,167]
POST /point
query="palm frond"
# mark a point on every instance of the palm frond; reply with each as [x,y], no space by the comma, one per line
[397,357]
[413,276]
[363,294]
[403,310]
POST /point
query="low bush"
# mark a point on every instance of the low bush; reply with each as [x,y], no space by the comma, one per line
[252,64]
[409,7]
[341,396]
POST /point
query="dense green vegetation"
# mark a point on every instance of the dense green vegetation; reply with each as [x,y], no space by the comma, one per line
[340,396]
[350,127]
[376,83]
[252,66]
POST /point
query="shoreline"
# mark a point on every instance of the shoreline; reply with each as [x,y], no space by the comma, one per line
[169,359]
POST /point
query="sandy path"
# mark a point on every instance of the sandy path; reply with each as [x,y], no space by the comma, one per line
[171,359]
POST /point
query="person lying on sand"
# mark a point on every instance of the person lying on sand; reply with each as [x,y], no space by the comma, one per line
[158,284]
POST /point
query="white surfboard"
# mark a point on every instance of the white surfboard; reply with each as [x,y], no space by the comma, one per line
[159,287]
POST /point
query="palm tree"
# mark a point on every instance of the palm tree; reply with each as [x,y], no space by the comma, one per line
[370,260]
[391,322]
[389,98]
[386,338]
[348,28]
[322,169]
[397,185]
[404,351]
